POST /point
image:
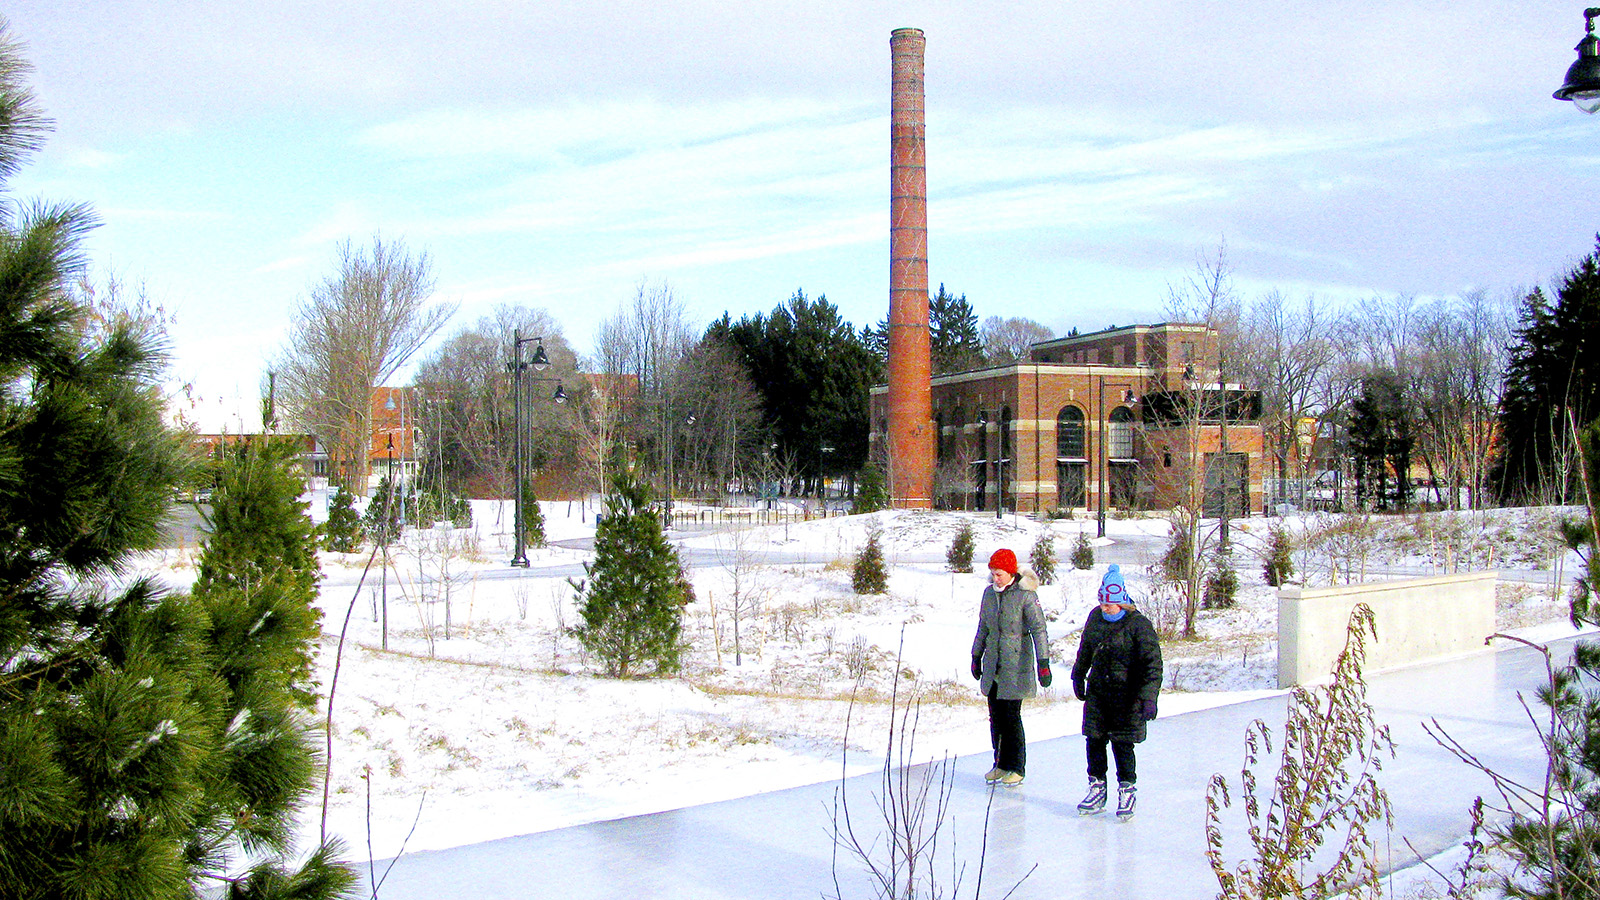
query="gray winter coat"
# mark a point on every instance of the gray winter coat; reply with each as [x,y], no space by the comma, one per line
[1011,639]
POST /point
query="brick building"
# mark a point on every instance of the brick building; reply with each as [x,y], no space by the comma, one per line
[1134,415]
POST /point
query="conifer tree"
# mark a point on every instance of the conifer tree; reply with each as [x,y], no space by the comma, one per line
[870,575]
[1082,552]
[632,601]
[953,328]
[128,765]
[258,571]
[872,491]
[959,556]
[255,597]
[382,520]
[1222,584]
[1552,388]
[1043,558]
[461,511]
[532,517]
[1279,564]
[342,533]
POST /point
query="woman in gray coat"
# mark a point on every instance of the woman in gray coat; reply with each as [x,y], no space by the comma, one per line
[1010,650]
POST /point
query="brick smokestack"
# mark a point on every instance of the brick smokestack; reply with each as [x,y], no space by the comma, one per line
[911,431]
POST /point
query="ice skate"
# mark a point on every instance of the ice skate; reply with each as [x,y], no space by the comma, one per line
[1095,800]
[1127,798]
[993,775]
[1011,779]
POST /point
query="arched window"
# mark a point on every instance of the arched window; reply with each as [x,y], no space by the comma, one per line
[1119,435]
[1069,433]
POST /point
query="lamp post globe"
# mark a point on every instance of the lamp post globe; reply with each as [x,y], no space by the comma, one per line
[1582,85]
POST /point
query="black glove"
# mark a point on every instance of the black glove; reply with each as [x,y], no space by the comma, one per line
[1147,708]
[1044,673]
[977,667]
[1077,689]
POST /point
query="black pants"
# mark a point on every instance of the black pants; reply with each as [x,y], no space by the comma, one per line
[1005,734]
[1126,765]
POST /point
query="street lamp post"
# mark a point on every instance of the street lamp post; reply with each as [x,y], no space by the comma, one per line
[383,531]
[1103,464]
[999,459]
[517,368]
[1000,465]
[1100,468]
[672,480]
[1582,85]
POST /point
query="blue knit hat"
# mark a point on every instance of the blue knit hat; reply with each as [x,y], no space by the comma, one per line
[1113,589]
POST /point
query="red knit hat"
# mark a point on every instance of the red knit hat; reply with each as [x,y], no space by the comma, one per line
[1004,560]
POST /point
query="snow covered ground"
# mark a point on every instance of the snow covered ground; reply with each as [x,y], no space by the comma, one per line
[484,719]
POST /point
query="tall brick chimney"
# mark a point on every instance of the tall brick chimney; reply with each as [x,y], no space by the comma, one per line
[911,438]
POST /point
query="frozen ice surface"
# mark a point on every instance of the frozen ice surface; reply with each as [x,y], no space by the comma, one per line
[779,844]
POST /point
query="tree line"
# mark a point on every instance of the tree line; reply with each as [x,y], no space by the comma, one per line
[1478,397]
[767,404]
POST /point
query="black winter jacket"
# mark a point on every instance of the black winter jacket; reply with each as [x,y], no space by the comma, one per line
[1118,667]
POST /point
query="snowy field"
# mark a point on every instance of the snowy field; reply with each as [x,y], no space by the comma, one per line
[483,719]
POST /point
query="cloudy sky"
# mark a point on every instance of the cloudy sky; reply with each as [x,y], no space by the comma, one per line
[1080,155]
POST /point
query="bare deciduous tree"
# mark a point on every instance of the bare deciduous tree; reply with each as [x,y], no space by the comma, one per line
[1009,340]
[354,330]
[1457,381]
[648,338]
[1290,356]
[465,395]
[726,433]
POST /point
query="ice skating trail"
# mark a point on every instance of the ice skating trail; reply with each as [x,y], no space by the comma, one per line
[781,844]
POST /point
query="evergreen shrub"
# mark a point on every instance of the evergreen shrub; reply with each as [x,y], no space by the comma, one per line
[870,575]
[959,556]
[382,520]
[1222,584]
[342,532]
[1082,552]
[532,517]
[632,598]
[1177,562]
[1043,558]
[872,491]
[1279,565]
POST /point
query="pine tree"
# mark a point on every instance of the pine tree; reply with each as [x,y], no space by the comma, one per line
[1279,565]
[342,533]
[953,333]
[128,768]
[532,517]
[1043,558]
[959,556]
[461,511]
[1222,584]
[1552,383]
[870,575]
[1082,553]
[872,491]
[422,508]
[256,592]
[1381,441]
[1178,563]
[382,520]
[632,601]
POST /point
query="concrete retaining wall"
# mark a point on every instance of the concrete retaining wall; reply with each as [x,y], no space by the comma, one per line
[1417,619]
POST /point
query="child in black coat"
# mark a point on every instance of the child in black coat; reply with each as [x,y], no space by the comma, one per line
[1118,676]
